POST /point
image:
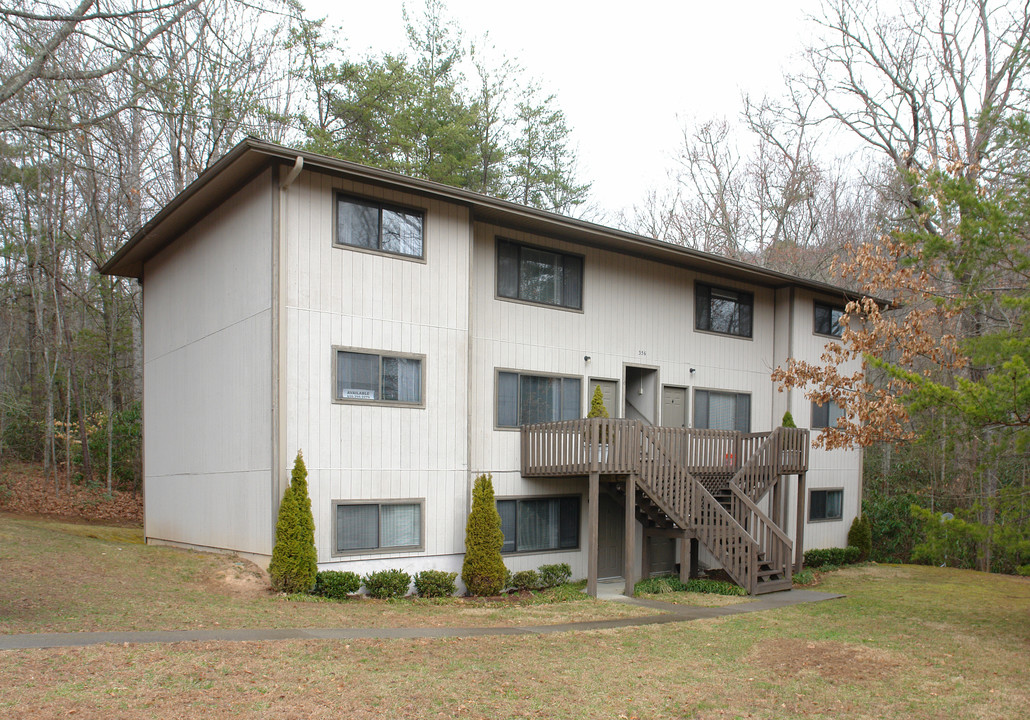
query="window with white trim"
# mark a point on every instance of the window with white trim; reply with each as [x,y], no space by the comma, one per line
[375,378]
[523,399]
[375,526]
[539,524]
[826,415]
[722,410]
[371,225]
[723,310]
[539,275]
[826,504]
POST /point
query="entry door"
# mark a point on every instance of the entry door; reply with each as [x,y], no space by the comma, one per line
[674,407]
[661,554]
[610,537]
[609,391]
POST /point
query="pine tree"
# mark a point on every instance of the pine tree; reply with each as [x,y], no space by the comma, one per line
[483,571]
[294,559]
[597,408]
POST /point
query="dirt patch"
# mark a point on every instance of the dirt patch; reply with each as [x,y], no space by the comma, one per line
[242,578]
[24,490]
[833,661]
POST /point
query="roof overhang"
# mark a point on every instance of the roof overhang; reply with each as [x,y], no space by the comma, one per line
[251,156]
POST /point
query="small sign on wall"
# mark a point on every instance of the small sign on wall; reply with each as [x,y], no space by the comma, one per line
[352,394]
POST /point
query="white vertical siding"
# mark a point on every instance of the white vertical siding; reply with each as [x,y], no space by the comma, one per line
[207,373]
[337,296]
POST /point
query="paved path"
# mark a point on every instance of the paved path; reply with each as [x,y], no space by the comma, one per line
[671,613]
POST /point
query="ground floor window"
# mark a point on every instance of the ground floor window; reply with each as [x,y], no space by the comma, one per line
[378,526]
[722,410]
[826,505]
[537,524]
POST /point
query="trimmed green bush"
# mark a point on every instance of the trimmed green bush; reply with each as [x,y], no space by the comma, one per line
[805,577]
[336,584]
[483,570]
[293,567]
[525,580]
[861,536]
[385,584]
[552,575]
[435,583]
[832,556]
[671,583]
[597,408]
[788,420]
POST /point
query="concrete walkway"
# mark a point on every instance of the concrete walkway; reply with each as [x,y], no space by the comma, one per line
[671,613]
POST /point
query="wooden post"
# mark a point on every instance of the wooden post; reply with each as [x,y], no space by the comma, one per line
[799,538]
[629,560]
[593,498]
[777,502]
[684,558]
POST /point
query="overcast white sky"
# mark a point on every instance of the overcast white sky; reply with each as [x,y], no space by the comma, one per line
[626,74]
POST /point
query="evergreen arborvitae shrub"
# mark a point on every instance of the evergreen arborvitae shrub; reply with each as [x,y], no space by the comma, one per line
[788,420]
[597,408]
[861,536]
[483,571]
[293,567]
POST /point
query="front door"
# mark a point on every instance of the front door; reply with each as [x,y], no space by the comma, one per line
[609,391]
[674,407]
[661,554]
[611,537]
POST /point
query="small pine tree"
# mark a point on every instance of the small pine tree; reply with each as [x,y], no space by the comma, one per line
[294,559]
[483,571]
[788,420]
[861,536]
[597,408]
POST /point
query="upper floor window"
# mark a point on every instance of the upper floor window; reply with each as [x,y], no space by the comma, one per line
[826,415]
[722,411]
[370,377]
[538,275]
[827,319]
[527,399]
[723,310]
[374,226]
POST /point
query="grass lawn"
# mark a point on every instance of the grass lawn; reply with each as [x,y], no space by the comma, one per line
[907,642]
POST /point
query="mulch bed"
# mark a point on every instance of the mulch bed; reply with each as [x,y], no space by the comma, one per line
[25,490]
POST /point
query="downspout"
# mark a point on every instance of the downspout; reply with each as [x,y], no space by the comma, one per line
[278,331]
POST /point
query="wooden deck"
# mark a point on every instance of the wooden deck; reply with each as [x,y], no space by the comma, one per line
[707,484]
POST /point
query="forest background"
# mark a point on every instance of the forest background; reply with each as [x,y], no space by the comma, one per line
[109,108]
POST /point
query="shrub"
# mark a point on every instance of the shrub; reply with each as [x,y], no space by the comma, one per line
[335,584]
[671,583]
[788,420]
[435,583]
[824,557]
[525,580]
[384,584]
[1023,570]
[483,570]
[954,542]
[597,408]
[861,536]
[893,530]
[805,577]
[293,566]
[551,575]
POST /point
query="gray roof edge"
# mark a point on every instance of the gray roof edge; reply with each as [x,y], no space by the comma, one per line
[471,199]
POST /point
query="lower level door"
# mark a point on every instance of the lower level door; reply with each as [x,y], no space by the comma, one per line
[611,537]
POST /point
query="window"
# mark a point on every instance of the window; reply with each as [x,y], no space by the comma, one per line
[722,411]
[368,224]
[538,524]
[826,415]
[826,505]
[527,399]
[827,319]
[378,526]
[723,311]
[538,275]
[369,377]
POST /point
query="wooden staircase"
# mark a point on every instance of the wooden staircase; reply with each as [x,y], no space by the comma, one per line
[688,480]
